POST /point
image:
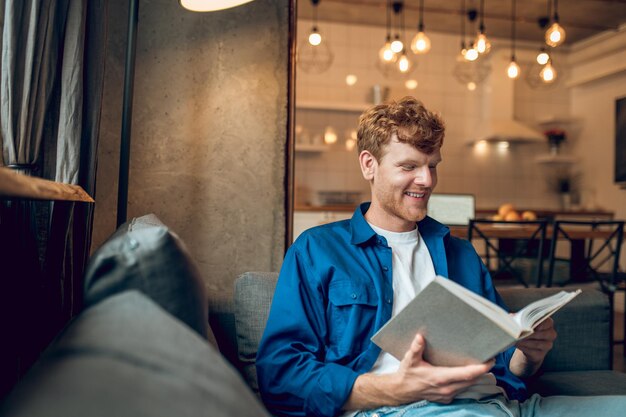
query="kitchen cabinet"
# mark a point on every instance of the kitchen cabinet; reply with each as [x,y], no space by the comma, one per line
[305,219]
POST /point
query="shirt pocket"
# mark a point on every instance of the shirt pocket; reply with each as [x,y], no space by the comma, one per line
[351,312]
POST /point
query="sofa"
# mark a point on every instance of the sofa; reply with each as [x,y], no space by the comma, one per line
[143,346]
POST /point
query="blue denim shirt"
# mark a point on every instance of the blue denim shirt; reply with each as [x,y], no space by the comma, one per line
[333,293]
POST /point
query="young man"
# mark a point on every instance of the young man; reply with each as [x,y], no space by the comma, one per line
[341,282]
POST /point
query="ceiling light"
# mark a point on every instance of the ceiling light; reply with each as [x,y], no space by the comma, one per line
[351,79]
[210,6]
[542,56]
[397,45]
[471,86]
[471,54]
[548,73]
[420,43]
[386,55]
[482,44]
[555,35]
[404,63]
[513,70]
[315,38]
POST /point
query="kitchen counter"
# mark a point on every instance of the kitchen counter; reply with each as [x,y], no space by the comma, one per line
[483,212]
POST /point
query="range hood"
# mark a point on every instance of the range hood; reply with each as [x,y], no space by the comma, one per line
[509,130]
[497,122]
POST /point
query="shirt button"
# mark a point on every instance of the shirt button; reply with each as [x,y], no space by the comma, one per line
[385,268]
[388,300]
[353,295]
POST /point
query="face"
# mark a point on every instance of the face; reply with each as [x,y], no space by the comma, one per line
[401,184]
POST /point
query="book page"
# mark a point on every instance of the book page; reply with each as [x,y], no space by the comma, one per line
[534,313]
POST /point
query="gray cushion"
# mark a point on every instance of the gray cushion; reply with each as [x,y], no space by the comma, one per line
[583,328]
[144,254]
[253,298]
[127,357]
[580,383]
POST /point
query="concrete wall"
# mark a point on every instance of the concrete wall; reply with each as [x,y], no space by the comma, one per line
[209,131]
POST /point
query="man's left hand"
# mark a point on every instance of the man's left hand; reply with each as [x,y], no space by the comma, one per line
[532,350]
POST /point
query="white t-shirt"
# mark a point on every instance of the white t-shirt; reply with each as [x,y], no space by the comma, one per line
[412,269]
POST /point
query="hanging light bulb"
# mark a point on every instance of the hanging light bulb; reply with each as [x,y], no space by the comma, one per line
[386,54]
[513,70]
[404,64]
[397,45]
[315,38]
[548,73]
[482,44]
[420,43]
[555,35]
[471,55]
[543,57]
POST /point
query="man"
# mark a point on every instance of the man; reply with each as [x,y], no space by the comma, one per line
[341,282]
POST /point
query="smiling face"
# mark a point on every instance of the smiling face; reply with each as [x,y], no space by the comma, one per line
[401,182]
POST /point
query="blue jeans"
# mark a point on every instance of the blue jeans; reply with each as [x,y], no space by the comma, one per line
[499,406]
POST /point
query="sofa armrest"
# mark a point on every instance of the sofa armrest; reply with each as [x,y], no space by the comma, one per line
[583,328]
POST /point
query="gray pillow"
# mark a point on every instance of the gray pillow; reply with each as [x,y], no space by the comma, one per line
[127,357]
[253,297]
[143,254]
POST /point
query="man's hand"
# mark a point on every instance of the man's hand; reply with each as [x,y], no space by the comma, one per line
[532,350]
[414,380]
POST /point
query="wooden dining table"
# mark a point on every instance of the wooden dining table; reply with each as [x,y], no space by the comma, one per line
[578,237]
[518,231]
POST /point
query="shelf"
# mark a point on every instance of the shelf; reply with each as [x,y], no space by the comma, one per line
[550,159]
[15,185]
[336,106]
[311,148]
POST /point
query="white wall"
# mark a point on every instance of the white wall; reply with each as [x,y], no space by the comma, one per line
[495,177]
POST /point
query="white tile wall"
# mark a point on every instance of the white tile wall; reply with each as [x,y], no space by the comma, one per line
[494,177]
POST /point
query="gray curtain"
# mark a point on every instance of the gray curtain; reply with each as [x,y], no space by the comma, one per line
[51,81]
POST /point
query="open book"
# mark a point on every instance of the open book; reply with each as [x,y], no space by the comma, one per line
[461,327]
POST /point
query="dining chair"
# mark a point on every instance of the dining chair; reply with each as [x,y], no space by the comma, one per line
[593,256]
[509,246]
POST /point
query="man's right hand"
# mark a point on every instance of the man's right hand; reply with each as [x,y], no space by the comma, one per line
[415,380]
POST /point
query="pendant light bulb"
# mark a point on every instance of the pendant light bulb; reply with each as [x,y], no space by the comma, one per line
[420,43]
[404,65]
[543,57]
[315,38]
[471,55]
[513,70]
[555,35]
[397,46]
[482,44]
[386,54]
[548,73]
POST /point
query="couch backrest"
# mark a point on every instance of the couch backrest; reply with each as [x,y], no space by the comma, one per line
[252,301]
[583,325]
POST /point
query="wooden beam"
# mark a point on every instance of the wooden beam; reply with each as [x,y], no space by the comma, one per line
[13,184]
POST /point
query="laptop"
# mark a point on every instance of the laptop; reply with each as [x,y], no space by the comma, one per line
[452,209]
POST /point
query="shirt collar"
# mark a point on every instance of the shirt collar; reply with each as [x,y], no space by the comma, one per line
[361,231]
